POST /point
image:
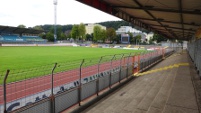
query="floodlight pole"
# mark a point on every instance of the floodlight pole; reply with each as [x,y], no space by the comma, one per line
[55,20]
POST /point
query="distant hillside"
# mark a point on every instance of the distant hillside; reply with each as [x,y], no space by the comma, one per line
[118,24]
[108,24]
[63,27]
[114,24]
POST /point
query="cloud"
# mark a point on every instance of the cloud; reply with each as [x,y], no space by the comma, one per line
[40,12]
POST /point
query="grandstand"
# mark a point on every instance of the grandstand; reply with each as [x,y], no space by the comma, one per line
[20,35]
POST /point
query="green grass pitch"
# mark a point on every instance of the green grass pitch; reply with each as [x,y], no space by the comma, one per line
[28,57]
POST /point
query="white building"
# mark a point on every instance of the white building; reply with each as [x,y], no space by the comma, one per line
[142,34]
[135,32]
[90,28]
[126,29]
[149,36]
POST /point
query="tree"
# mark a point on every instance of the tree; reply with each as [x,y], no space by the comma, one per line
[97,33]
[82,31]
[68,35]
[111,34]
[118,38]
[75,32]
[132,40]
[50,36]
[38,27]
[63,36]
[66,27]
[114,24]
[42,35]
[158,38]
[21,26]
[88,37]
[59,32]
[137,39]
[103,35]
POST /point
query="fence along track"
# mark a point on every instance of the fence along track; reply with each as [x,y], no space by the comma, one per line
[78,83]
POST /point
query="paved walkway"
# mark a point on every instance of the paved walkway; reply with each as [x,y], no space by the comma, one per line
[166,89]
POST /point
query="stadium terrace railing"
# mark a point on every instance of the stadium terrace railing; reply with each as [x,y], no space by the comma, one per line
[194,50]
[68,84]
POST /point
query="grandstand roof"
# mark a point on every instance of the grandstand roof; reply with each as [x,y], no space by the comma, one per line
[17,30]
[176,19]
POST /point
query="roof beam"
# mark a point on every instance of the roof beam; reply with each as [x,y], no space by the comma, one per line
[162,20]
[184,32]
[134,21]
[141,6]
[172,27]
[195,12]
[181,15]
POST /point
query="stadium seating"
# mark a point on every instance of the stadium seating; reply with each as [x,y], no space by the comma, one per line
[24,39]
[10,37]
[1,38]
[30,37]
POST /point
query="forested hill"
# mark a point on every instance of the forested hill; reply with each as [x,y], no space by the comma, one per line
[118,24]
[114,24]
[108,24]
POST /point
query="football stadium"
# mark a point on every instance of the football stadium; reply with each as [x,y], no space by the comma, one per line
[40,76]
[30,67]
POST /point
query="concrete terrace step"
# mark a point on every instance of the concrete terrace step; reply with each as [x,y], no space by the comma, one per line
[147,93]
[182,95]
[162,86]
[160,100]
[166,91]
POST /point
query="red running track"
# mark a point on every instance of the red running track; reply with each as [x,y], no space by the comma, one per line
[29,87]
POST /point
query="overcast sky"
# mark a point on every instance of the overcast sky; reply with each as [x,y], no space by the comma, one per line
[40,12]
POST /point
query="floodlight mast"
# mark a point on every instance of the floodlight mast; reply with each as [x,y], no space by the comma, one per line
[55,20]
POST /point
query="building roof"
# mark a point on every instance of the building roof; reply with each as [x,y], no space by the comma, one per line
[174,19]
[17,30]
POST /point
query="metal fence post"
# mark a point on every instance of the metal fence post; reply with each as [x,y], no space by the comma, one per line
[138,68]
[110,71]
[52,89]
[133,64]
[97,81]
[144,56]
[148,58]
[4,90]
[127,65]
[164,53]
[80,86]
[142,61]
[152,58]
[52,79]
[120,68]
